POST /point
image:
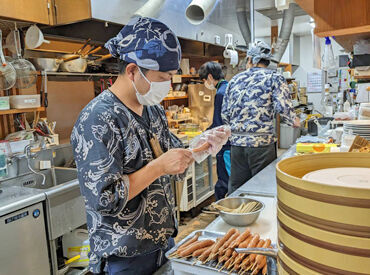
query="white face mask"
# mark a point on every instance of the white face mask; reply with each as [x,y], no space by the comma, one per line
[209,86]
[156,93]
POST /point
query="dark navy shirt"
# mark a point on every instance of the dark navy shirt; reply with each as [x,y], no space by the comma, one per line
[109,143]
[217,119]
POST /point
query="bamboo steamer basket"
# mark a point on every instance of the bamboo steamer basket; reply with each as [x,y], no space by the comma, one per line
[323,229]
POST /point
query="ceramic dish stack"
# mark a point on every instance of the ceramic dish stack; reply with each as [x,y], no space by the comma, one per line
[358,127]
[323,214]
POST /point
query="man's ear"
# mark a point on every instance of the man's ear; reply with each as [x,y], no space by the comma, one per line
[131,70]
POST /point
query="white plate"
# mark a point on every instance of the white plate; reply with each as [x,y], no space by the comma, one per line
[354,177]
[357,122]
[355,127]
[359,128]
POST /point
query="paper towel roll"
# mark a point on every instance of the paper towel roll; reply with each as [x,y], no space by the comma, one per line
[233,55]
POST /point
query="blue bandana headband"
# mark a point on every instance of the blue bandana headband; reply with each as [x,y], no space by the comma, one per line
[148,43]
[257,51]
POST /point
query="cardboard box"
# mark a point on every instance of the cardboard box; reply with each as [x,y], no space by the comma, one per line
[303,100]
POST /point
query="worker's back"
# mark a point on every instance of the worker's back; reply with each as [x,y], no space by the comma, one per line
[250,103]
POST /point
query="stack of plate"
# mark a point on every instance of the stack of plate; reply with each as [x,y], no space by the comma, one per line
[358,127]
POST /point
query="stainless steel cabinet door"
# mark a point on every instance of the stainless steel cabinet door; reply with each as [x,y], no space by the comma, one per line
[23,244]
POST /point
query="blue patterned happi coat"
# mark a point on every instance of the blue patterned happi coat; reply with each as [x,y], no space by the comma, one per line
[250,103]
[109,144]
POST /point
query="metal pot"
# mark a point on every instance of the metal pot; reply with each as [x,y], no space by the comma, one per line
[47,64]
[78,65]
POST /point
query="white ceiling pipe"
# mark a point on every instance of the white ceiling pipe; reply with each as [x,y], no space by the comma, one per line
[150,8]
[198,10]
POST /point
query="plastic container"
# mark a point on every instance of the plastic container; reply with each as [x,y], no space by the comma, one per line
[328,58]
[24,101]
[77,243]
[18,146]
[4,103]
[288,136]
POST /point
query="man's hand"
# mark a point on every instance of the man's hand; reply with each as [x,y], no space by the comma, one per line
[174,161]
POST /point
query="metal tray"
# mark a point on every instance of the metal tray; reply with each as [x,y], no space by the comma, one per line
[198,267]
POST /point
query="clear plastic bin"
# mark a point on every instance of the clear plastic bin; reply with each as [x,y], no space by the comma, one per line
[24,101]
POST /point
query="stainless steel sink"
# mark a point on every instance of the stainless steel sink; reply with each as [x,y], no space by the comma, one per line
[65,207]
[54,177]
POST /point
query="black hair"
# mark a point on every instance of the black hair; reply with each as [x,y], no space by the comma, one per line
[264,62]
[122,64]
[212,68]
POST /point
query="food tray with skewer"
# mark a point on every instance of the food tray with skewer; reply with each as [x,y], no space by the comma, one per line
[193,265]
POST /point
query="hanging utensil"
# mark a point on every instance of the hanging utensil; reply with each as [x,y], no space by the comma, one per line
[26,72]
[34,37]
[9,42]
[7,71]
[44,88]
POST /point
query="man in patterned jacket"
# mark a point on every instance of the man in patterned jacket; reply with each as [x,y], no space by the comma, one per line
[125,154]
[251,100]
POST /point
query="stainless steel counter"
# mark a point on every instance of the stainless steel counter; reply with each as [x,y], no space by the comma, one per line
[59,193]
[13,198]
[264,183]
[261,187]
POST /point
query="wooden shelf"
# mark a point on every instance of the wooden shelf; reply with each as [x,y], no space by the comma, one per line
[78,74]
[179,120]
[345,31]
[175,97]
[189,75]
[347,20]
[19,111]
[362,77]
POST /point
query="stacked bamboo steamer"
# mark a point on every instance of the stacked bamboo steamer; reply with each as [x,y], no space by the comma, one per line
[322,228]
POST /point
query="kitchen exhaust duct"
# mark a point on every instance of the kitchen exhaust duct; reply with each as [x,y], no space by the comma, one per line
[285,32]
[198,10]
[241,14]
[150,8]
